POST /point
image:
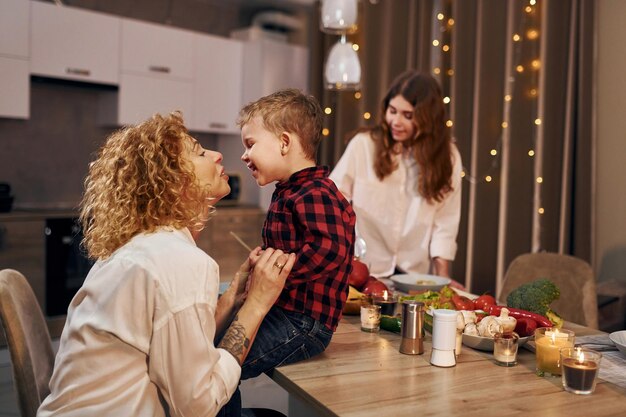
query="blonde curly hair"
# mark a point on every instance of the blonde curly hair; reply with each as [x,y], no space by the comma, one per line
[140,181]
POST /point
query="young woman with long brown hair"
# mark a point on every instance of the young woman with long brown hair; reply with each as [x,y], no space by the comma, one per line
[403,177]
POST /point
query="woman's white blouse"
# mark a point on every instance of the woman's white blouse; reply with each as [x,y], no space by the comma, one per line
[138,340]
[398,225]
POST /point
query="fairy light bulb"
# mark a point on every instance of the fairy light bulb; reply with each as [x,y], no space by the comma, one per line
[493,152]
[536,64]
[539,180]
[532,34]
[537,121]
[325,132]
[540,210]
[462,174]
[505,125]
[507,97]
[357,95]
[451,22]
[488,178]
[449,123]
[367,115]
[328,110]
[531,153]
[450,72]
[519,68]
[435,42]
[355,46]
[436,70]
[446,100]
[440,16]
[528,9]
[445,48]
[516,38]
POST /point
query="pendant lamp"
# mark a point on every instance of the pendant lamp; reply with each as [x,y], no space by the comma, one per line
[343,69]
[339,16]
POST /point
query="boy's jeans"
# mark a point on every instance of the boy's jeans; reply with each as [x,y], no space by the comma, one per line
[284,337]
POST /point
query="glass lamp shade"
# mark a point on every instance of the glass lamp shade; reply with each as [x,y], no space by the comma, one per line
[343,69]
[338,16]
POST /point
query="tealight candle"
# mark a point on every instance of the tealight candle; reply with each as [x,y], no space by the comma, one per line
[580,368]
[548,342]
[370,318]
[505,348]
[387,302]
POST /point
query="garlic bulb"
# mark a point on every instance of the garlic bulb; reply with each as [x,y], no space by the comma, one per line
[507,322]
[489,326]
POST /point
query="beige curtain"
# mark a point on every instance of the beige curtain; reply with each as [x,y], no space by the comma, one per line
[519,77]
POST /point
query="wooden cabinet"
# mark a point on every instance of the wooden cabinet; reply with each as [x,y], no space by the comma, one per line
[74,44]
[217,241]
[218,84]
[14,59]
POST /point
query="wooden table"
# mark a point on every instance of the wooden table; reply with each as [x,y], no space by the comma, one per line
[363,374]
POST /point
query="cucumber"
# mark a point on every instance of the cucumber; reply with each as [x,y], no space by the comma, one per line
[391,323]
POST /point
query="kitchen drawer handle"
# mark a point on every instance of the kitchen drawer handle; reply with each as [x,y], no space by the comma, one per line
[217,125]
[78,71]
[160,69]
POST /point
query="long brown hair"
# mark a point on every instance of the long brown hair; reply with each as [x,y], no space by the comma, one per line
[431,146]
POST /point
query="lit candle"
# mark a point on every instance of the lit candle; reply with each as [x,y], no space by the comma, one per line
[580,368]
[387,302]
[505,348]
[370,318]
[548,342]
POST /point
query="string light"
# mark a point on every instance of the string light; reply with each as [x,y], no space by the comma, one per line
[449,123]
[367,115]
[440,16]
[446,100]
[493,152]
[328,110]
[445,48]
[516,38]
[531,153]
[532,34]
[540,210]
[505,125]
[539,180]
[437,70]
[537,121]
[435,42]
[488,178]
[325,132]
[357,95]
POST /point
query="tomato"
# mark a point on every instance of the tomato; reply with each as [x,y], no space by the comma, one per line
[483,302]
[462,303]
[374,285]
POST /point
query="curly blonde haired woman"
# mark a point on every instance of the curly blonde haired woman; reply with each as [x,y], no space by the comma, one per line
[139,334]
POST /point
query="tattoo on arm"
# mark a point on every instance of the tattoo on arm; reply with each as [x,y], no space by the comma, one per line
[235,340]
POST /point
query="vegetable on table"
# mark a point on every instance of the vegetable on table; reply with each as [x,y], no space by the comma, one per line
[518,314]
[536,297]
[525,327]
[391,323]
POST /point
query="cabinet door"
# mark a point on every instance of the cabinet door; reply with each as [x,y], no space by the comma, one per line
[14,27]
[151,49]
[74,44]
[284,66]
[140,97]
[218,84]
[14,88]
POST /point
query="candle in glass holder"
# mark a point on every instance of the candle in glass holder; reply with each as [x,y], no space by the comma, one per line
[580,369]
[548,342]
[505,348]
[387,302]
[370,318]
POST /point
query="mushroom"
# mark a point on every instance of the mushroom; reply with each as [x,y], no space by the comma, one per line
[507,322]
[489,326]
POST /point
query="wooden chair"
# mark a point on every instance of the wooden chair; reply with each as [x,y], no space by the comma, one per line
[573,276]
[30,346]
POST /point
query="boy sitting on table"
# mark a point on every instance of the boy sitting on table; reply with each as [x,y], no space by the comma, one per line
[307,216]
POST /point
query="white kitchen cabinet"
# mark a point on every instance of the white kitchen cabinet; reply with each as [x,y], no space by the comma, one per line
[218,84]
[14,59]
[14,88]
[156,50]
[156,74]
[74,44]
[139,97]
[271,65]
[14,27]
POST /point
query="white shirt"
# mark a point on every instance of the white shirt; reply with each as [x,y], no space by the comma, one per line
[398,225]
[138,340]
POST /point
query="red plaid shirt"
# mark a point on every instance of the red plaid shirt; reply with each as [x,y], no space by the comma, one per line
[308,216]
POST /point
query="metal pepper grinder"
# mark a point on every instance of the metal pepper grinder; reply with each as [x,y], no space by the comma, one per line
[412,328]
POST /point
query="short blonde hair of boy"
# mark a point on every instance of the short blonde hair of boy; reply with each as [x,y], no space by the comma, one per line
[289,111]
[141,180]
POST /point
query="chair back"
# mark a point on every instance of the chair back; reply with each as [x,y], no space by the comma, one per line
[574,277]
[30,345]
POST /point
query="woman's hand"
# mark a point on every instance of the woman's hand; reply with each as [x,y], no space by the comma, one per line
[271,268]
